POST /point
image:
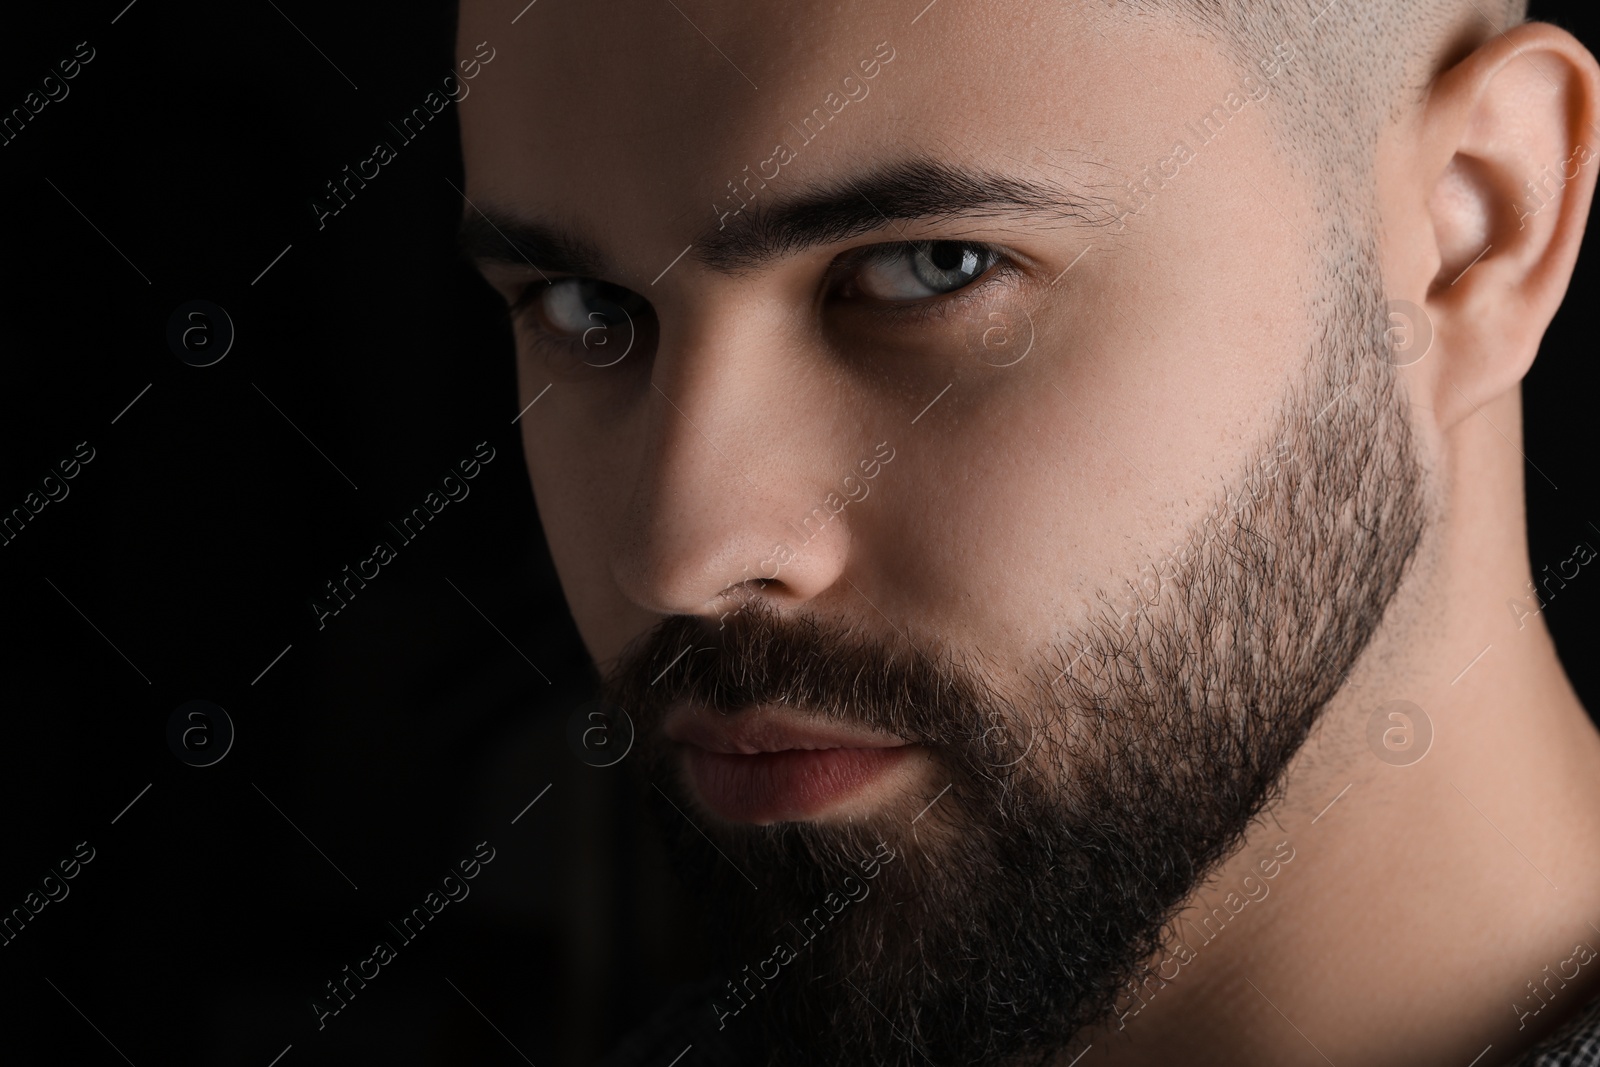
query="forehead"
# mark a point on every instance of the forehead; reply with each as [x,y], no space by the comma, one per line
[636,122]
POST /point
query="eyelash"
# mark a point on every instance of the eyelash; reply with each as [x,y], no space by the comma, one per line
[933,309]
[926,311]
[524,312]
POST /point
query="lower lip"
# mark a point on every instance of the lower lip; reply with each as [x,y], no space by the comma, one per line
[786,786]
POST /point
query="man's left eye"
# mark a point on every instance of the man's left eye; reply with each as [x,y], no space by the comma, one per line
[918,270]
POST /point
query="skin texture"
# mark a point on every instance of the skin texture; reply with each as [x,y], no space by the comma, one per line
[1419,905]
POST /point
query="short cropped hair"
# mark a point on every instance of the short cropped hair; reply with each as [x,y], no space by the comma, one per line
[1335,73]
[1354,62]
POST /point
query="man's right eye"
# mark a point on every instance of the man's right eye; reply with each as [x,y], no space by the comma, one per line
[570,309]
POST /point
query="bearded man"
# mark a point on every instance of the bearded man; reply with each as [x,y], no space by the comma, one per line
[1043,481]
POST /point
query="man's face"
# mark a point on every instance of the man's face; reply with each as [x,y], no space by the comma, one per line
[985,489]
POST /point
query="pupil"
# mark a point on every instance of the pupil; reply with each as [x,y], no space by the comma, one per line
[598,302]
[947,255]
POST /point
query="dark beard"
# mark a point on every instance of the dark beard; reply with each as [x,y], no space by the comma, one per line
[1019,906]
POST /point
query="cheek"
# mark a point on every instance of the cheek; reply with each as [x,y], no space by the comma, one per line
[580,500]
[994,558]
[1097,458]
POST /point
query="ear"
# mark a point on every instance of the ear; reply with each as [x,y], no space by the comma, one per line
[1485,197]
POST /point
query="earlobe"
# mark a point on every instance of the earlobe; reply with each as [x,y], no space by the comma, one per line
[1511,147]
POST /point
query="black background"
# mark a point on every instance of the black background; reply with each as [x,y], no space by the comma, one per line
[431,711]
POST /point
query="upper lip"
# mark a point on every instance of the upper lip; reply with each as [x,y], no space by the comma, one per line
[767,728]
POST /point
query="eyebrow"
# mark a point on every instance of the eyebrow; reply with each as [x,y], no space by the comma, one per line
[917,190]
[489,235]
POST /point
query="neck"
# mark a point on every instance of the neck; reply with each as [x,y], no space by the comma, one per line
[1419,911]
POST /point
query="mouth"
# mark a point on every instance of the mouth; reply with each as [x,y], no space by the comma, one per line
[771,764]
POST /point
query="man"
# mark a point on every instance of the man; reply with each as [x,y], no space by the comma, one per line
[1043,482]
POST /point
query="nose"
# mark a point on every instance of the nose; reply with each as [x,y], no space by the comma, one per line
[741,453]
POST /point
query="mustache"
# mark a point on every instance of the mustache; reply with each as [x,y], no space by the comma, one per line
[760,656]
